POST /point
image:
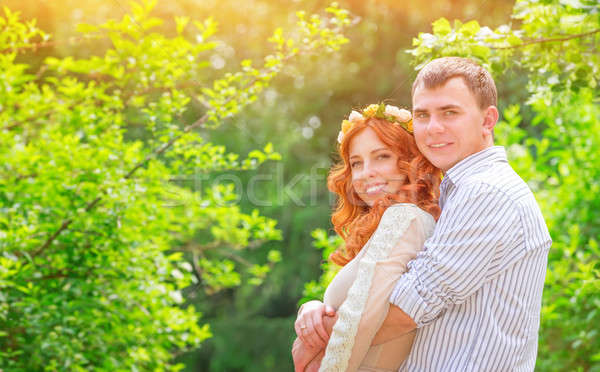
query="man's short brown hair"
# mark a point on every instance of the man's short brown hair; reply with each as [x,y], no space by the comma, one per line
[437,72]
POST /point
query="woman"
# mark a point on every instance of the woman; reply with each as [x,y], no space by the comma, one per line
[386,209]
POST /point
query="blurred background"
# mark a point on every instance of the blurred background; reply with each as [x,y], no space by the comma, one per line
[300,113]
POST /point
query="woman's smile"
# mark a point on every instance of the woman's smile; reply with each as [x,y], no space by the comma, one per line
[376,188]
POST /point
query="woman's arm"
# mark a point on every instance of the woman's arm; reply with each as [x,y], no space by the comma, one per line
[397,239]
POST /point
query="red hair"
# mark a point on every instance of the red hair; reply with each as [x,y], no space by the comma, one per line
[352,218]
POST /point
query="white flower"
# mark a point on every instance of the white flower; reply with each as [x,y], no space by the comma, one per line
[404,116]
[355,115]
[401,115]
[391,110]
[340,136]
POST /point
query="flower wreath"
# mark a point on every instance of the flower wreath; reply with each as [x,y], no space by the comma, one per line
[390,113]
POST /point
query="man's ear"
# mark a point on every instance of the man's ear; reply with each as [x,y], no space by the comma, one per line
[490,119]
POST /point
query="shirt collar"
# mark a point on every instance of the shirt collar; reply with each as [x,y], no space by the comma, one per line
[473,163]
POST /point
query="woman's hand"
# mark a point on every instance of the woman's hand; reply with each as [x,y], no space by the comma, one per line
[306,358]
[309,325]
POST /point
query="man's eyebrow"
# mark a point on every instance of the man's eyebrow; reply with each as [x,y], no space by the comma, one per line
[442,108]
[447,107]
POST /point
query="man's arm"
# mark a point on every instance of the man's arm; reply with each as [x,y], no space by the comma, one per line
[396,323]
[477,236]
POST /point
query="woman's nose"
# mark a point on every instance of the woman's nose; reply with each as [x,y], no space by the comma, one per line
[369,170]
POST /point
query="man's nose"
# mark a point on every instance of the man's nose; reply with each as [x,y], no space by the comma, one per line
[435,125]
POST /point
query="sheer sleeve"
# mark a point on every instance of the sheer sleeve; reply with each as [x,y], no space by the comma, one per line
[398,238]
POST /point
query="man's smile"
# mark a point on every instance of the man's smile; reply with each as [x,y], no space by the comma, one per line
[440,145]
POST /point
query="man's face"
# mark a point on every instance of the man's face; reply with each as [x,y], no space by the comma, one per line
[449,125]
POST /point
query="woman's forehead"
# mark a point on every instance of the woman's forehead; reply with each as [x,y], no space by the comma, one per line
[366,142]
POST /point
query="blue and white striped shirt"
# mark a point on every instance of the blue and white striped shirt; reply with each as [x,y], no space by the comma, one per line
[475,290]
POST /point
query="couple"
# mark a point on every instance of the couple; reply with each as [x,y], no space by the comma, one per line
[445,246]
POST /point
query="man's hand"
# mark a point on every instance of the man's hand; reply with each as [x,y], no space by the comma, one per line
[309,325]
[303,355]
[315,364]
[306,358]
[395,324]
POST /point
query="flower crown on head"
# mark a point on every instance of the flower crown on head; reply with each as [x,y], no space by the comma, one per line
[390,113]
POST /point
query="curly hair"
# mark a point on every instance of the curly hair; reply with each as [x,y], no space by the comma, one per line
[352,218]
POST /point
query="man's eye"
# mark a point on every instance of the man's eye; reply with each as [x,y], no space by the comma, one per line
[421,115]
[450,113]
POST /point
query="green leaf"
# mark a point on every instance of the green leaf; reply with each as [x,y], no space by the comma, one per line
[274,256]
[441,27]
[481,51]
[181,23]
[86,28]
[470,28]
[268,148]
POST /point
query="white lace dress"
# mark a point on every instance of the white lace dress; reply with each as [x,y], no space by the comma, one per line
[360,293]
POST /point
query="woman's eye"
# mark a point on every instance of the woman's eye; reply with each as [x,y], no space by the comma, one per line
[450,113]
[354,164]
[383,156]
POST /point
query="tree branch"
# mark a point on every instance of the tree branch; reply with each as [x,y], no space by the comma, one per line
[74,41]
[197,124]
[63,227]
[61,274]
[547,40]
[196,270]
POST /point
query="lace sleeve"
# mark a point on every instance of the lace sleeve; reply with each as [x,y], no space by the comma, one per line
[341,347]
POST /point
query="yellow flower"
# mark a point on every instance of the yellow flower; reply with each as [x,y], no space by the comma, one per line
[371,110]
[346,125]
[409,126]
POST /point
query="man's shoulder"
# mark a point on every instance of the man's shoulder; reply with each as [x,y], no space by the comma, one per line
[500,190]
[498,181]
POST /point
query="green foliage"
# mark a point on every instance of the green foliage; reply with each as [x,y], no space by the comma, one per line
[314,290]
[556,44]
[561,167]
[98,237]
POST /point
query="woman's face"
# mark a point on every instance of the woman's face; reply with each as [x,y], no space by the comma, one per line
[374,167]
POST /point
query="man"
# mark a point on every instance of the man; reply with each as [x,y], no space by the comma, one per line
[474,292]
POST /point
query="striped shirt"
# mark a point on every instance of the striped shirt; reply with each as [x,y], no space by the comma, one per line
[475,290]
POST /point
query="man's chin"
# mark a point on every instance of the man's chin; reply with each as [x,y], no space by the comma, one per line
[441,164]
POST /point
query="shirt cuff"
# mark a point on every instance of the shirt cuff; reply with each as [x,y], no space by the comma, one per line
[407,298]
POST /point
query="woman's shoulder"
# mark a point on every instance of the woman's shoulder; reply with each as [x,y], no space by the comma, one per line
[410,210]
